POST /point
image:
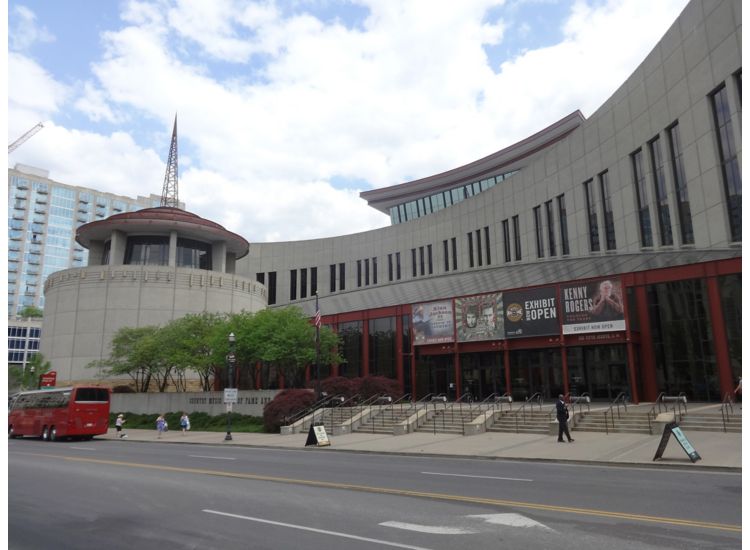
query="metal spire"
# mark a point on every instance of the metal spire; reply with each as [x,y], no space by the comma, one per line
[169,195]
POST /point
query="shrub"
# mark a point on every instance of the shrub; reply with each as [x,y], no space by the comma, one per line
[379,385]
[338,385]
[123,389]
[286,404]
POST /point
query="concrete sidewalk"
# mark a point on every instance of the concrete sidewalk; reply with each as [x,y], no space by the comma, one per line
[718,450]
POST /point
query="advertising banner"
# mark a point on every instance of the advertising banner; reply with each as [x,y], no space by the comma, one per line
[432,322]
[531,312]
[595,306]
[480,318]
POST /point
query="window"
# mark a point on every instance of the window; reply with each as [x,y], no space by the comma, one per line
[730,169]
[641,195]
[455,256]
[313,281]
[421,261]
[563,215]
[105,252]
[374,271]
[517,237]
[147,251]
[390,267]
[398,266]
[479,247]
[609,222]
[660,191]
[303,283]
[332,277]
[588,193]
[293,284]
[506,240]
[471,249]
[680,185]
[271,288]
[342,276]
[429,259]
[367,272]
[550,228]
[413,262]
[261,278]
[359,273]
[193,254]
[538,232]
[487,243]
[446,264]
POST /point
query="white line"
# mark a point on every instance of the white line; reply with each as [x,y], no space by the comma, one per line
[83,448]
[314,530]
[214,457]
[427,528]
[478,477]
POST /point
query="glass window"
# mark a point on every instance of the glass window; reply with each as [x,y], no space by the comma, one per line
[487,244]
[313,281]
[563,215]
[271,288]
[517,237]
[660,191]
[292,284]
[332,277]
[193,254]
[359,273]
[730,169]
[413,262]
[446,259]
[382,336]
[550,228]
[303,283]
[641,194]
[470,243]
[390,267]
[147,251]
[342,276]
[680,185]
[609,221]
[374,271]
[455,255]
[429,259]
[538,232]
[398,266]
[478,235]
[506,240]
[588,192]
[351,349]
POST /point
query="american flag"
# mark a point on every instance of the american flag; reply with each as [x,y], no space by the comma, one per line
[317,317]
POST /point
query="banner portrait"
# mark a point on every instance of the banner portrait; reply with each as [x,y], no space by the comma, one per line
[432,322]
[480,318]
[531,312]
[596,306]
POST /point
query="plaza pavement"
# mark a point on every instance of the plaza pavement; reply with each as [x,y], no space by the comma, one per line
[718,450]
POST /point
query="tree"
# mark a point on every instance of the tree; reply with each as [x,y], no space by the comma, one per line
[31,312]
[130,356]
[28,378]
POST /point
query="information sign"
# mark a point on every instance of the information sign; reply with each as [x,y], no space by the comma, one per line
[673,429]
[317,436]
[230,396]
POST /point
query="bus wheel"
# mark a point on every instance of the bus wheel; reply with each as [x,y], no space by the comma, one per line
[45,434]
[53,434]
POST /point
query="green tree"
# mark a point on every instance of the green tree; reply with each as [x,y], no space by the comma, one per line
[31,311]
[131,356]
[28,378]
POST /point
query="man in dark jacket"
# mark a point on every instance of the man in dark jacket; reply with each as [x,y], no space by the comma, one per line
[562,420]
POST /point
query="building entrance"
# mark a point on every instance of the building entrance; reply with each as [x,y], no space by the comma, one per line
[435,374]
[536,371]
[482,374]
[600,371]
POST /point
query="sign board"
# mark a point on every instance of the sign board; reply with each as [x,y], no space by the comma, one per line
[231,358]
[596,306]
[230,396]
[531,312]
[673,429]
[479,317]
[48,379]
[317,436]
[432,322]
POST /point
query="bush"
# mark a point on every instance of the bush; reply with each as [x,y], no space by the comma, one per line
[339,385]
[286,404]
[379,385]
[123,389]
[199,421]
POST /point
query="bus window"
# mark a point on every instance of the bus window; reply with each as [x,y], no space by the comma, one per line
[100,395]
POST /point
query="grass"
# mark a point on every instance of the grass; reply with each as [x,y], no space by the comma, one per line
[201,422]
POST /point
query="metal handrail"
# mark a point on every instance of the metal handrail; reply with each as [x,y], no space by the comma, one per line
[580,400]
[536,397]
[621,398]
[726,406]
[400,401]
[311,409]
[494,400]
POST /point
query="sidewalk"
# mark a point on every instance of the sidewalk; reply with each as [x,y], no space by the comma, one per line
[718,450]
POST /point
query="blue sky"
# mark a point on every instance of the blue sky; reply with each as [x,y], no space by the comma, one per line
[287,110]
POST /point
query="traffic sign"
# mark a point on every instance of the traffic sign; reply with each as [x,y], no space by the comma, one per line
[230,396]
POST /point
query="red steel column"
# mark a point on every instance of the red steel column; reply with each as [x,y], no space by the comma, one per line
[564,354]
[634,397]
[506,365]
[719,333]
[648,366]
[365,348]
[400,351]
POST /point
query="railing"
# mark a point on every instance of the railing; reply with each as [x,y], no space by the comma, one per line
[401,401]
[610,412]
[727,408]
[334,402]
[440,399]
[491,404]
[535,398]
[312,408]
[580,400]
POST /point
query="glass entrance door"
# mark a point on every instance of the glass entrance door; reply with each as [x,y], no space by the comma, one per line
[481,374]
[536,371]
[435,375]
[600,371]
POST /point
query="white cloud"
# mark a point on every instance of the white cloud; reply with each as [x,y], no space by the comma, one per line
[24,31]
[408,93]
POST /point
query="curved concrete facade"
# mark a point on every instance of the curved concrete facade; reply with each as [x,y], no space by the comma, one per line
[700,52]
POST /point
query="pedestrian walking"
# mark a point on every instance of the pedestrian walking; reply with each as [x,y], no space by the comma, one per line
[562,419]
[184,423]
[119,426]
[161,425]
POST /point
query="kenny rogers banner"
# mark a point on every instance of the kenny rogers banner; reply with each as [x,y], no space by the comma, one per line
[479,318]
[531,312]
[432,322]
[592,307]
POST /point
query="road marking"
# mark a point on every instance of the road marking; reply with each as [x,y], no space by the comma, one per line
[478,477]
[214,457]
[427,528]
[83,448]
[511,520]
[314,530]
[417,494]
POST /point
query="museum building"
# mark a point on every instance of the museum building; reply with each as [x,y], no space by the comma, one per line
[601,255]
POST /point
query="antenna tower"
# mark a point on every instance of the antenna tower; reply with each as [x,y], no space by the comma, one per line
[169,192]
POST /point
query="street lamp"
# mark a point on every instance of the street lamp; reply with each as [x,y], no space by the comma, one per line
[231,359]
[31,370]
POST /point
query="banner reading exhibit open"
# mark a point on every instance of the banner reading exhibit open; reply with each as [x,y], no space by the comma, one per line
[531,312]
[596,306]
[480,318]
[432,322]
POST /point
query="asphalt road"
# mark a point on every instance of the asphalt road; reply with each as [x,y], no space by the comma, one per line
[126,494]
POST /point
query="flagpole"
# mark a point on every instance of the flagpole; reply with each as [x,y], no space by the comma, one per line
[317,348]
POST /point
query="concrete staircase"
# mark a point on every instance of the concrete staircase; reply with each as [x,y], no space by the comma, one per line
[532,422]
[634,421]
[448,421]
[711,422]
[383,421]
[334,416]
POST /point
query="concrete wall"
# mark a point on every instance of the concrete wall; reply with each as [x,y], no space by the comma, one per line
[250,402]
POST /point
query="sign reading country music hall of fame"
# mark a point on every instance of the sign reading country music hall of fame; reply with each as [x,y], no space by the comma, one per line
[531,312]
[594,306]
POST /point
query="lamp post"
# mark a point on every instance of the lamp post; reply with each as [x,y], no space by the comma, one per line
[231,359]
[31,370]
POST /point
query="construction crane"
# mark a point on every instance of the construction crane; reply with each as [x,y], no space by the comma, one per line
[16,144]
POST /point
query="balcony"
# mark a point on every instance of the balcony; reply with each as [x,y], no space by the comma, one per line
[33,261]
[42,191]
[14,248]
[32,272]
[40,211]
[18,216]
[41,200]
[20,206]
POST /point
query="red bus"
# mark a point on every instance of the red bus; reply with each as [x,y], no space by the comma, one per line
[60,412]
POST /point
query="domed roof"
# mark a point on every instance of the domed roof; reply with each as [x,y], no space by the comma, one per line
[161,221]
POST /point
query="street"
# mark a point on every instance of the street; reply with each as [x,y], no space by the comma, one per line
[123,494]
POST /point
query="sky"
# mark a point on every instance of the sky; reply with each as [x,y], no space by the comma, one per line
[287,110]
